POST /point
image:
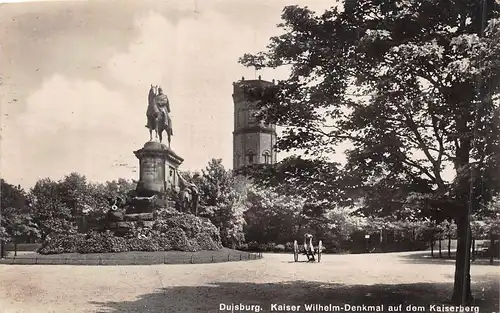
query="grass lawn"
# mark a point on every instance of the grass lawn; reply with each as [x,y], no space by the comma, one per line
[426,257]
[131,258]
[369,279]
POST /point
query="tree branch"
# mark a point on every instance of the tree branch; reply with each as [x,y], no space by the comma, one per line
[412,163]
[414,128]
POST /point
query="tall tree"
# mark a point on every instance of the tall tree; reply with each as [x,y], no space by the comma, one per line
[13,205]
[12,196]
[216,183]
[413,85]
[222,198]
[485,224]
[49,209]
[271,217]
[19,227]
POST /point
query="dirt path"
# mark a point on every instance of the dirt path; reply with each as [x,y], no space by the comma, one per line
[357,279]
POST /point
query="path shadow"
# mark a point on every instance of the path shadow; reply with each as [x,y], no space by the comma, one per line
[208,298]
[426,258]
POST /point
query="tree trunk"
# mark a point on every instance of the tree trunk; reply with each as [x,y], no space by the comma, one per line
[473,257]
[15,247]
[449,247]
[462,293]
[461,288]
[440,248]
[2,249]
[492,252]
[432,248]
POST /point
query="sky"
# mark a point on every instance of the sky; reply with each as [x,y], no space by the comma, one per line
[75,77]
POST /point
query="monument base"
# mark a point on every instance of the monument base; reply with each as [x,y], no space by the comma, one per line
[129,222]
[157,169]
[148,204]
[157,175]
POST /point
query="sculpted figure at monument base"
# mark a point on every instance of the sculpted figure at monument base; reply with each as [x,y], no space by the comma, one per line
[189,196]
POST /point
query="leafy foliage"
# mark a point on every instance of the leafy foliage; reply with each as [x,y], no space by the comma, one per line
[49,209]
[12,196]
[16,224]
[61,206]
[486,224]
[171,230]
[271,217]
[62,243]
[19,227]
[405,123]
[222,198]
[413,86]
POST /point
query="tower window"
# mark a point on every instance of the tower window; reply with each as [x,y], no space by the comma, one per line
[238,159]
[267,157]
[252,119]
[251,157]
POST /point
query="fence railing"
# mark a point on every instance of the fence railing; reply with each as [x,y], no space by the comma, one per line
[146,260]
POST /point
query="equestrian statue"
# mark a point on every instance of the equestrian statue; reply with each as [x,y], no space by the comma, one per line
[158,118]
[189,195]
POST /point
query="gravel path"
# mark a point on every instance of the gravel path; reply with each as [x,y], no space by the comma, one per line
[396,278]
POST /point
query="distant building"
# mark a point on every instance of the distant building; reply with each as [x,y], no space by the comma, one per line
[253,142]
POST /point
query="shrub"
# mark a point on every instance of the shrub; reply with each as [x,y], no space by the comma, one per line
[289,246]
[164,244]
[207,241]
[253,246]
[60,243]
[95,242]
[143,244]
[279,248]
[270,246]
[178,239]
[171,230]
[242,246]
[262,247]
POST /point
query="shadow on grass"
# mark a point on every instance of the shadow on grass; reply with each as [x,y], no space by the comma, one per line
[208,298]
[426,258]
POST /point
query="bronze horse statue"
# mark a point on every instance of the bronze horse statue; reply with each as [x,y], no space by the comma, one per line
[158,114]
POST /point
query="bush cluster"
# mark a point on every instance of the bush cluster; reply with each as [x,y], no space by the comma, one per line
[334,247]
[60,243]
[95,242]
[267,247]
[171,230]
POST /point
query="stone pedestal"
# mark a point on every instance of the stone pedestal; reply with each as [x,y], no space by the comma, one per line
[157,174]
[157,165]
[172,163]
[123,225]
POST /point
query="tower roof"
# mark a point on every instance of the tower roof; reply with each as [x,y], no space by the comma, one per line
[255,83]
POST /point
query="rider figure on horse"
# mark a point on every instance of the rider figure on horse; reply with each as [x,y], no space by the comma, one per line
[163,104]
[161,101]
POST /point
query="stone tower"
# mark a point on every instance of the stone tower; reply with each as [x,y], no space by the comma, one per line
[253,142]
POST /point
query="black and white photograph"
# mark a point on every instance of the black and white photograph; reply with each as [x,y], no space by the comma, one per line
[249,156]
